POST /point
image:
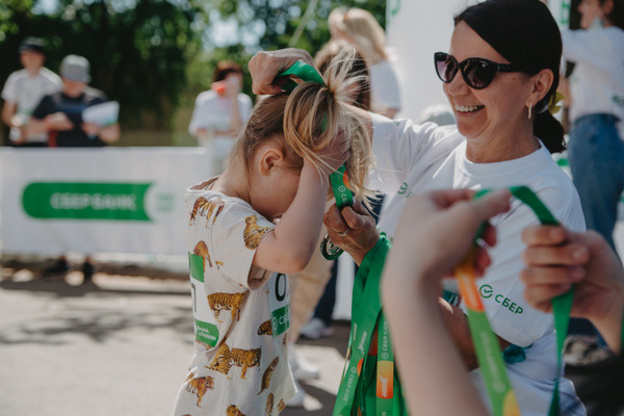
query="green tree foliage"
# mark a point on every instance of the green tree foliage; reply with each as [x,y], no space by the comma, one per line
[155,55]
[138,50]
[271,24]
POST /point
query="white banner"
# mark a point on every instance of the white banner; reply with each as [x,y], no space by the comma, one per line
[110,200]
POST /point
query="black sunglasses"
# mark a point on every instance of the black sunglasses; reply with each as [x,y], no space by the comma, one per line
[477,72]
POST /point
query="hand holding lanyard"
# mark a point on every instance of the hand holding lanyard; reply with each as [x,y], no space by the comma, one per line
[486,344]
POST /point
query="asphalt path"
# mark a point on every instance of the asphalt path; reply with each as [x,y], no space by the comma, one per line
[118,347]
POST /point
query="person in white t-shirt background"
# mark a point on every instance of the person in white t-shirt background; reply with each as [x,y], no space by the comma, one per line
[24,89]
[221,112]
[360,28]
[596,85]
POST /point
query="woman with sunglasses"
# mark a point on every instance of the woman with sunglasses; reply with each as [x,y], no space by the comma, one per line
[500,76]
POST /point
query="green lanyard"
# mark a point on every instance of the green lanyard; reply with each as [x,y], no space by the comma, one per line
[486,345]
[302,71]
[344,198]
[369,384]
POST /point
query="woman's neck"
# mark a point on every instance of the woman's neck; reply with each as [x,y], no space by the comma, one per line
[504,146]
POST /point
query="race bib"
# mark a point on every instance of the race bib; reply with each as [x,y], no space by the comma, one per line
[279,303]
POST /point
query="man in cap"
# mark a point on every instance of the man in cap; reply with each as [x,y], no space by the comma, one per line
[60,116]
[24,89]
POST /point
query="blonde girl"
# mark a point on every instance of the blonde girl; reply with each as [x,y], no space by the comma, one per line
[250,227]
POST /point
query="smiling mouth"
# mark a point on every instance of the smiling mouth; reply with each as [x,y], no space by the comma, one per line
[468,108]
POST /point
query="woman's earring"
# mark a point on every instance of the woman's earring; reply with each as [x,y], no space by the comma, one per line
[530,109]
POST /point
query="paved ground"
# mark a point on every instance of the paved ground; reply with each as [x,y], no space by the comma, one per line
[121,346]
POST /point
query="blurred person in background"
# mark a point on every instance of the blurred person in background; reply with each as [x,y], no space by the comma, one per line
[221,112]
[595,147]
[24,89]
[596,151]
[360,29]
[59,116]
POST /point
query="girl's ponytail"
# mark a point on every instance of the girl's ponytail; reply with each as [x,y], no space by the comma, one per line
[316,114]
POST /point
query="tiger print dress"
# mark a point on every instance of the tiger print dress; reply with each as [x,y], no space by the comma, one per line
[241,313]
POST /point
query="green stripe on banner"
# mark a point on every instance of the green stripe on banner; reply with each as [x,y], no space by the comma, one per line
[86,201]
[196,267]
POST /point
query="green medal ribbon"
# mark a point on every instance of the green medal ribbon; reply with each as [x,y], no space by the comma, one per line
[342,193]
[486,344]
[369,384]
[344,198]
[304,72]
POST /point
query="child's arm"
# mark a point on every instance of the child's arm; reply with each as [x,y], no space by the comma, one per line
[290,245]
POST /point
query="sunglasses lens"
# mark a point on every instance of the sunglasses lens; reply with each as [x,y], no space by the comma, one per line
[446,66]
[478,73]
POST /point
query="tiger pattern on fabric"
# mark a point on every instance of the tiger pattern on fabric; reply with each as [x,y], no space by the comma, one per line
[198,386]
[226,301]
[253,233]
[232,410]
[245,359]
[281,406]
[268,373]
[266,328]
[269,405]
[221,361]
[202,207]
[201,250]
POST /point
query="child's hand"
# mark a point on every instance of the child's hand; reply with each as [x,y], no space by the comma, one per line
[335,154]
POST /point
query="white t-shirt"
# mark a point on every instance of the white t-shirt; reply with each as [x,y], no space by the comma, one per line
[212,112]
[597,82]
[241,323]
[385,91]
[412,159]
[26,92]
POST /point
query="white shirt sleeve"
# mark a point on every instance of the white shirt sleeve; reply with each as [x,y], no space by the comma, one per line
[245,107]
[235,236]
[399,145]
[385,90]
[194,124]
[588,46]
[9,92]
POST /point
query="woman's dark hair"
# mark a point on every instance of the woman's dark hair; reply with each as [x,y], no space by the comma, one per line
[616,17]
[525,33]
[224,68]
